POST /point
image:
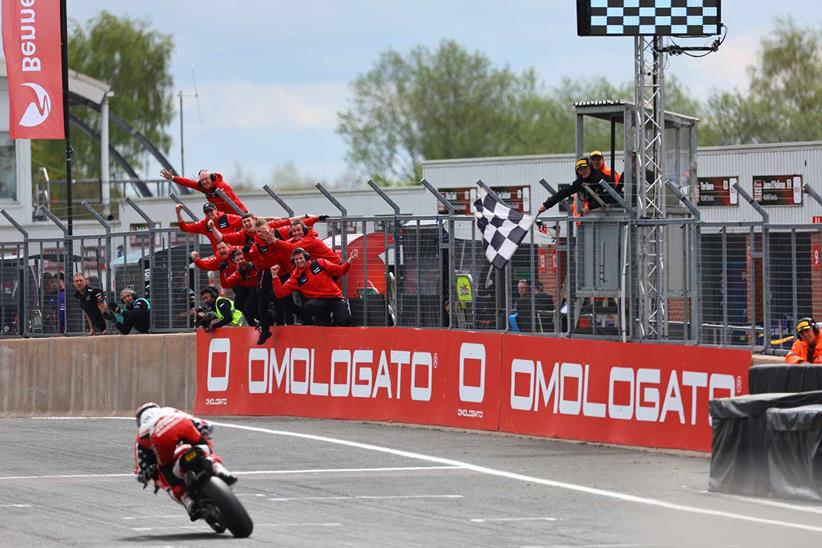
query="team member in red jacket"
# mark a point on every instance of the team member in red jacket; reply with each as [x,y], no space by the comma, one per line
[221,260]
[225,221]
[305,237]
[243,282]
[314,278]
[208,183]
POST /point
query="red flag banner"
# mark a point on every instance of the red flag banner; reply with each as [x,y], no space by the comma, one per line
[31,44]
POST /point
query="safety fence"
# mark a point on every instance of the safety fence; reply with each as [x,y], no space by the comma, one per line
[741,284]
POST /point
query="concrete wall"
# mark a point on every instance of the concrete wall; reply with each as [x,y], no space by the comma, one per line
[104,375]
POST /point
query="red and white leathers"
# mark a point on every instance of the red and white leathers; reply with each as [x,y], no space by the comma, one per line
[211,193]
[161,431]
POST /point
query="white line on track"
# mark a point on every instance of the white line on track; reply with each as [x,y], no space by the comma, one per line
[256,525]
[530,479]
[256,472]
[487,520]
[15,505]
[166,516]
[348,470]
[366,497]
[766,502]
[66,476]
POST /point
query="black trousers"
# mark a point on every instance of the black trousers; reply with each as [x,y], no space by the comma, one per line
[264,296]
[320,311]
[245,300]
[284,307]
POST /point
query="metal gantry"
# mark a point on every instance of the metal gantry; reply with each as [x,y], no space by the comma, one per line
[649,174]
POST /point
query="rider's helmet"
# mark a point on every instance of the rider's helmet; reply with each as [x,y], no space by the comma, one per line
[142,408]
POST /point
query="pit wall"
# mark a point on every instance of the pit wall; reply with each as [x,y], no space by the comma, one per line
[95,376]
[652,395]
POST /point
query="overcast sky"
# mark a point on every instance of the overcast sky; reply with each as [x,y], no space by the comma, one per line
[272,75]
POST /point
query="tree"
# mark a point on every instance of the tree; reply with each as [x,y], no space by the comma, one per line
[453,104]
[135,61]
[447,103]
[784,97]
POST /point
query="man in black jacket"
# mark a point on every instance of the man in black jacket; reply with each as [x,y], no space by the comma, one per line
[586,175]
[135,313]
[93,302]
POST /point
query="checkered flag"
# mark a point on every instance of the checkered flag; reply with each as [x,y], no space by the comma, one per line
[503,228]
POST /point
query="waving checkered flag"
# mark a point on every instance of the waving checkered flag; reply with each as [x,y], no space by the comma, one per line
[503,228]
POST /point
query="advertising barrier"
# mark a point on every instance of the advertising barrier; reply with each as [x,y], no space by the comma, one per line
[624,393]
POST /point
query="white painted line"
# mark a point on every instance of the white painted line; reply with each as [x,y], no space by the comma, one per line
[365,497]
[597,546]
[256,525]
[166,516]
[486,520]
[347,470]
[254,472]
[66,476]
[15,505]
[531,479]
[767,502]
[81,418]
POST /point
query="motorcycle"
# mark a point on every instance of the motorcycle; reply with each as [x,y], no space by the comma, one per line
[217,503]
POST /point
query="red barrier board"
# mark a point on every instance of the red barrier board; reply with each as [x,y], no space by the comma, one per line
[652,395]
[448,378]
[649,395]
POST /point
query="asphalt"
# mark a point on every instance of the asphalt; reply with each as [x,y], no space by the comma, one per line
[333,483]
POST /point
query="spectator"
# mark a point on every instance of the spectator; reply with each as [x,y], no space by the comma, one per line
[806,349]
[61,304]
[314,278]
[51,295]
[208,183]
[93,302]
[217,311]
[135,314]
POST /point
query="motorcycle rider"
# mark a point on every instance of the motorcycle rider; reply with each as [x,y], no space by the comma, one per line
[164,434]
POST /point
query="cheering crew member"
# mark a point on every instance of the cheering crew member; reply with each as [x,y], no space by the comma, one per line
[585,175]
[305,237]
[93,303]
[243,282]
[306,222]
[314,278]
[806,349]
[264,250]
[217,311]
[136,313]
[221,260]
[226,222]
[208,183]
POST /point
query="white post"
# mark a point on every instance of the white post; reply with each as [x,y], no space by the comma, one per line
[104,171]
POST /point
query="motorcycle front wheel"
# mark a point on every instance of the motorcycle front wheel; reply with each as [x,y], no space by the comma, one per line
[232,513]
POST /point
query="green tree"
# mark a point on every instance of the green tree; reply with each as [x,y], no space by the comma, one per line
[135,61]
[446,103]
[784,97]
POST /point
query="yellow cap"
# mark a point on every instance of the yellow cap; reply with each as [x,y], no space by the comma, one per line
[803,325]
[596,153]
[582,162]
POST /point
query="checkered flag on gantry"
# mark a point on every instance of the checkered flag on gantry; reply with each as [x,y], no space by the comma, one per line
[503,228]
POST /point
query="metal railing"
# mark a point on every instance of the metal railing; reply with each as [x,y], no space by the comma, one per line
[730,284]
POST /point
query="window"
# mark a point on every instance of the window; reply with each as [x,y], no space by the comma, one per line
[8,168]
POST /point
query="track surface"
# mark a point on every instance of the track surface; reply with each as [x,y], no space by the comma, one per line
[354,484]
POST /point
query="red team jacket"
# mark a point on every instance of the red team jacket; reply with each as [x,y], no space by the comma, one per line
[211,194]
[314,280]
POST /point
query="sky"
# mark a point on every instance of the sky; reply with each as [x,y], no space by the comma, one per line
[272,75]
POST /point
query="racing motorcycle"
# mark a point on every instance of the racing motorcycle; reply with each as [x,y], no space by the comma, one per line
[217,503]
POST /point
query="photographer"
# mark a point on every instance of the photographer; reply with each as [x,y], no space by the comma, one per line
[134,314]
[217,311]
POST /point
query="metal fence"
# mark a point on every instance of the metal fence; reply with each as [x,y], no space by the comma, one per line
[741,284]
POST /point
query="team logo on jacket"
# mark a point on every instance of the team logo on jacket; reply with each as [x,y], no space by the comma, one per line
[316,267]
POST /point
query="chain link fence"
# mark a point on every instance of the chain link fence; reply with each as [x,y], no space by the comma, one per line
[732,284]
